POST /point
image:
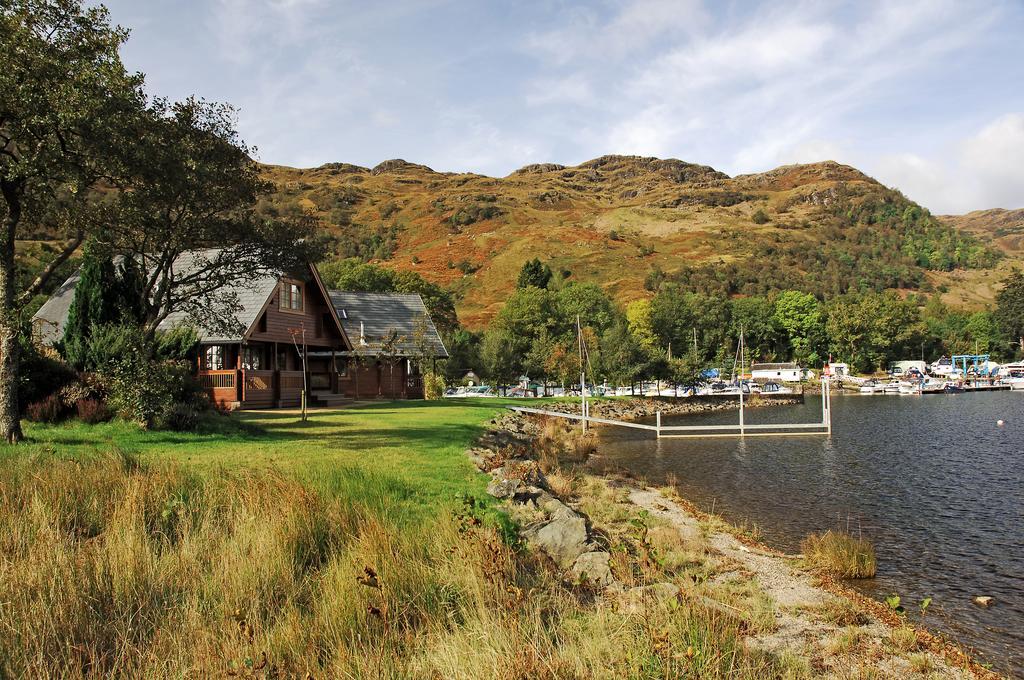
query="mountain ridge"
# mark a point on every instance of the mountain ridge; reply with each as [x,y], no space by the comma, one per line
[618,220]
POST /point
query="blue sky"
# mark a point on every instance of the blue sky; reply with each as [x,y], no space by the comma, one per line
[925,95]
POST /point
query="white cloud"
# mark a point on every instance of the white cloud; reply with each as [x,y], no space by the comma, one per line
[993,160]
[632,26]
[985,170]
[924,180]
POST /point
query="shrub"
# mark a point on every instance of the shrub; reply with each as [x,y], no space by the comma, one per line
[42,375]
[840,554]
[146,391]
[109,344]
[760,217]
[180,418]
[433,386]
[92,411]
[49,410]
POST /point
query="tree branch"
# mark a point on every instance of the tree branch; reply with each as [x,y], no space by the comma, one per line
[55,263]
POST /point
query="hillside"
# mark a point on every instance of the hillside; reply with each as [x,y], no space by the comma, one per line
[1004,230]
[627,221]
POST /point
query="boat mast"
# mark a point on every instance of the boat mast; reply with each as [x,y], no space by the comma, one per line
[583,375]
[741,381]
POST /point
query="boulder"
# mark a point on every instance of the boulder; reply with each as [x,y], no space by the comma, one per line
[593,567]
[983,601]
[563,537]
[503,487]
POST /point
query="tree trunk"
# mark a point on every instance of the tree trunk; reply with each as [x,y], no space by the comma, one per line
[10,422]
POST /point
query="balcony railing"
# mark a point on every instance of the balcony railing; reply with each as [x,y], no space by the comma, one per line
[215,380]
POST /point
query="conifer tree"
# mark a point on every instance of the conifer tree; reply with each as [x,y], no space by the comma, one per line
[95,303]
[131,290]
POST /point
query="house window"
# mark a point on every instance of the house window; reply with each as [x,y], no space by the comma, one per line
[291,296]
[252,358]
[213,358]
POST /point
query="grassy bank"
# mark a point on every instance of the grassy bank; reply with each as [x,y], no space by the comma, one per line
[343,547]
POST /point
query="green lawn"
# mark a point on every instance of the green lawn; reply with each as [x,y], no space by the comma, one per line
[403,457]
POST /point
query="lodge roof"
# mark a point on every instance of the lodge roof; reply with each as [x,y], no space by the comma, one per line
[368,318]
[250,292]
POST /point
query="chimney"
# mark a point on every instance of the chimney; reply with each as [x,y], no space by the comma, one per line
[362,334]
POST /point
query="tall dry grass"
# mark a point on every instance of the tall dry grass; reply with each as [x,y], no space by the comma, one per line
[561,441]
[841,554]
[109,568]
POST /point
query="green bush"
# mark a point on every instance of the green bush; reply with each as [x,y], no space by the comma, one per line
[433,386]
[760,217]
[147,392]
[183,417]
[109,344]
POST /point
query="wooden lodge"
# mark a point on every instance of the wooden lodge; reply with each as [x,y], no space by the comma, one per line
[357,345]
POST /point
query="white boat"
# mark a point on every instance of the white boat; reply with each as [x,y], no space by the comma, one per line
[892,387]
[941,367]
[1012,375]
[775,388]
[870,386]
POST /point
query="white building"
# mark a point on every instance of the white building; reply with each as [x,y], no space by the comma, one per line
[788,372]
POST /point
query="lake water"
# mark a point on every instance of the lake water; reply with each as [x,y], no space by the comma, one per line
[932,480]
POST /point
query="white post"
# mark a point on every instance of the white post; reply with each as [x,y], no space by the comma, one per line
[824,402]
[828,396]
[659,424]
[741,407]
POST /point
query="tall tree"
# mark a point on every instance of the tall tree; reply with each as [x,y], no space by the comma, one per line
[65,103]
[1010,308]
[755,316]
[872,329]
[588,302]
[94,304]
[499,352]
[799,314]
[187,216]
[638,316]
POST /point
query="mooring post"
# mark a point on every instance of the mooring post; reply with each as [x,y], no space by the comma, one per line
[658,424]
[828,396]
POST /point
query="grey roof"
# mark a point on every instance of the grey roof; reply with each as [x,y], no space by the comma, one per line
[370,317]
[48,323]
[774,367]
[249,293]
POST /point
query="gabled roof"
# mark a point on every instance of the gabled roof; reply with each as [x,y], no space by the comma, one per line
[369,317]
[251,293]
